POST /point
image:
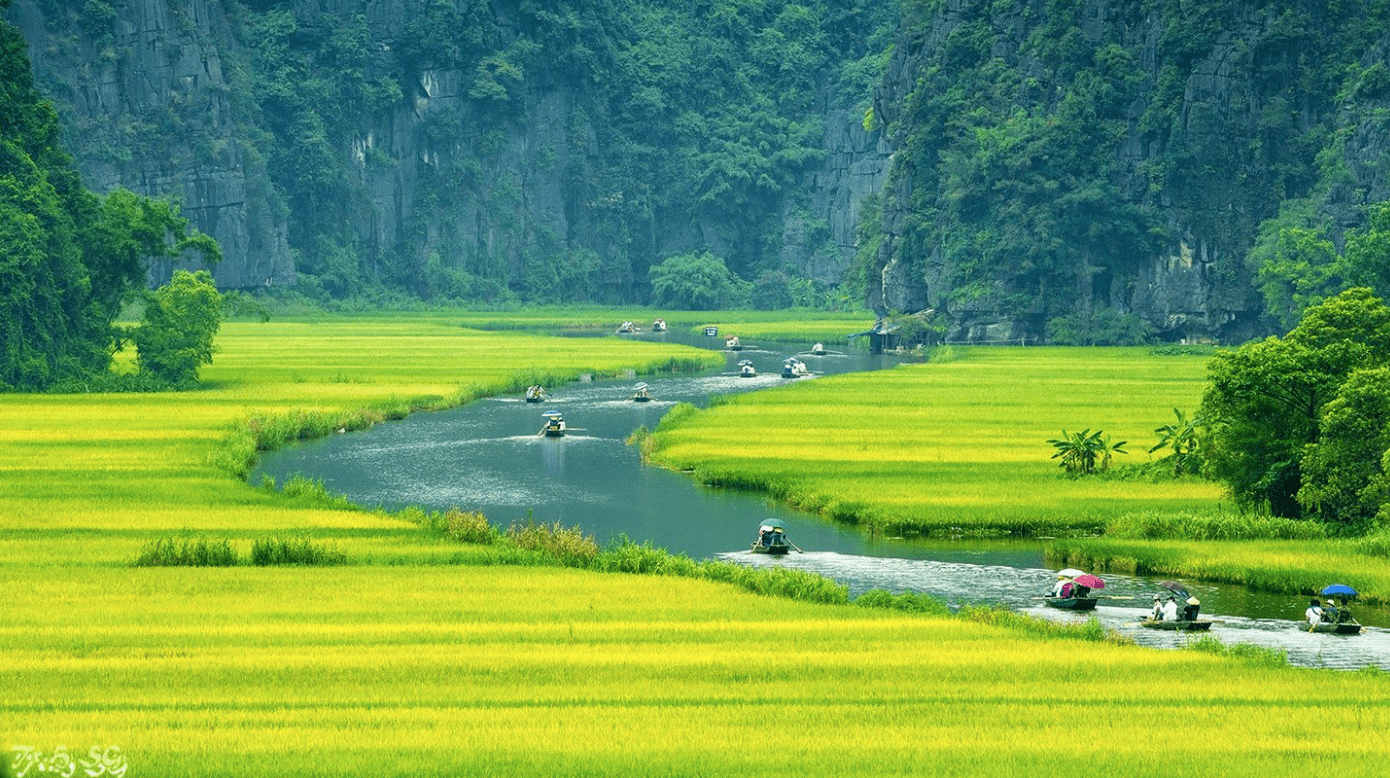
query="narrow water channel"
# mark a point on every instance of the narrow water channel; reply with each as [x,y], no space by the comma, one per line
[488,456]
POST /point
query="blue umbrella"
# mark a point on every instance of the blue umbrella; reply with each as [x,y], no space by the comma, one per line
[1338,589]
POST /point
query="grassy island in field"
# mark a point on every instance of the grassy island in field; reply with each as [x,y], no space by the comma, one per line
[419,655]
[955,447]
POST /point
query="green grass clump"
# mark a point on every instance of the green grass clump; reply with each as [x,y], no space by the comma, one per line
[187,552]
[297,550]
[567,545]
[469,527]
[1188,525]
[912,602]
[1262,655]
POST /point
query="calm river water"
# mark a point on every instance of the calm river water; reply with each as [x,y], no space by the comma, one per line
[487,456]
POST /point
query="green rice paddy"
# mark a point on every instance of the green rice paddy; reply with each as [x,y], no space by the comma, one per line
[422,656]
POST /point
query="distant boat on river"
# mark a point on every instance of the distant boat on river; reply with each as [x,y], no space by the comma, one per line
[746,369]
[554,425]
[641,395]
[772,538]
[1072,603]
[1179,625]
[794,368]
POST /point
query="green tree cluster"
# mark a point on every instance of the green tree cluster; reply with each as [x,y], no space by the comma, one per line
[1300,425]
[68,258]
[175,335]
[696,282]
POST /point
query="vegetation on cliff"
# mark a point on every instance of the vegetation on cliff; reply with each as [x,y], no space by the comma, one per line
[689,129]
[1051,154]
[68,258]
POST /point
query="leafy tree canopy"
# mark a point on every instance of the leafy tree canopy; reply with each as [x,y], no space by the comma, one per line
[175,336]
[1265,402]
[68,258]
[696,282]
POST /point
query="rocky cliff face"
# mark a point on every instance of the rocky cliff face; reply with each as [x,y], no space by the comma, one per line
[149,96]
[124,84]
[1215,132]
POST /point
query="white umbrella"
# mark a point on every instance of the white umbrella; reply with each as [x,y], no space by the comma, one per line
[1070,572]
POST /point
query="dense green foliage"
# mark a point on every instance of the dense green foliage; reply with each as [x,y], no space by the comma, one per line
[1300,425]
[689,130]
[1050,150]
[175,335]
[67,257]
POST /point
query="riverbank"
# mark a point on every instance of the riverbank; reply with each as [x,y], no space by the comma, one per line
[423,656]
[1294,567]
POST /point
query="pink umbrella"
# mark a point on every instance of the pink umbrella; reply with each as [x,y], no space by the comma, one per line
[1090,582]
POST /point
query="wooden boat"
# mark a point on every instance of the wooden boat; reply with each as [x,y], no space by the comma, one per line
[641,395]
[731,343]
[554,425]
[659,325]
[772,538]
[1072,603]
[1179,625]
[794,368]
[818,350]
[1344,628]
[628,327]
[746,369]
[535,394]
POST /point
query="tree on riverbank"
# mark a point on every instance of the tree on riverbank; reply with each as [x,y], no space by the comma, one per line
[1278,413]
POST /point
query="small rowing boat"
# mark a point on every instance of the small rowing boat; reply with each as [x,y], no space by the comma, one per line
[1072,603]
[1343,628]
[1180,625]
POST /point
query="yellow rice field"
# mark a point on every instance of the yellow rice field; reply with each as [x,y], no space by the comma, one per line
[954,446]
[420,658]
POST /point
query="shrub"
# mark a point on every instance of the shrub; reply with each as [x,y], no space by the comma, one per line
[911,602]
[567,545]
[299,550]
[187,552]
[469,527]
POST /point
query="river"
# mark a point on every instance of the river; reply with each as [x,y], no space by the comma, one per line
[487,456]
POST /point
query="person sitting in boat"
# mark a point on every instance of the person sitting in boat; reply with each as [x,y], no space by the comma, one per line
[1157,614]
[1170,609]
[1063,588]
[1081,591]
[1192,608]
[1314,613]
[1330,612]
[1344,614]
